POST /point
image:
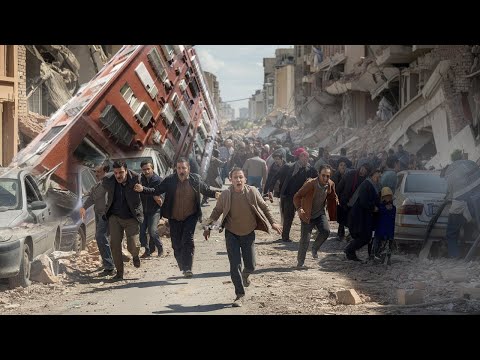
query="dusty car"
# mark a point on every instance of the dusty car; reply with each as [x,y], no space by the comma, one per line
[75,232]
[27,227]
[418,196]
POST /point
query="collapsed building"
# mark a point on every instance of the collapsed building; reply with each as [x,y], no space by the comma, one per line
[425,97]
[145,96]
[35,81]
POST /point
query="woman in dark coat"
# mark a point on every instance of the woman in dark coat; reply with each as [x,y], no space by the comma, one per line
[341,213]
[361,216]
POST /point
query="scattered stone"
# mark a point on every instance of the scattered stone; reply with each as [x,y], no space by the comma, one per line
[348,297]
[420,285]
[42,270]
[11,306]
[454,275]
[409,297]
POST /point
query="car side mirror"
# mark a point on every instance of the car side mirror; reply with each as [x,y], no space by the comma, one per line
[38,205]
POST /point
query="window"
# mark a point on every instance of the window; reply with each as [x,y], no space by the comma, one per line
[10,194]
[175,130]
[130,97]
[425,183]
[31,194]
[49,136]
[35,101]
[162,166]
[88,181]
[88,153]
[146,80]
[34,186]
[157,64]
[168,51]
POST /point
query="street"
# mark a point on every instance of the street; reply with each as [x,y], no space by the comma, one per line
[158,287]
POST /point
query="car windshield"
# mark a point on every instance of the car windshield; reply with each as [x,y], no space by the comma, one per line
[134,163]
[9,194]
[425,183]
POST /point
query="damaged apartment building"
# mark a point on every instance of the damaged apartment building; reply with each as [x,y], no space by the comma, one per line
[374,97]
[35,81]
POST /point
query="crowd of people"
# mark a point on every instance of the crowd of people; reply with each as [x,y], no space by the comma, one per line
[355,191]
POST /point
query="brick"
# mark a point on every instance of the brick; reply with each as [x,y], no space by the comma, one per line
[409,297]
[455,276]
[348,297]
[469,292]
[420,285]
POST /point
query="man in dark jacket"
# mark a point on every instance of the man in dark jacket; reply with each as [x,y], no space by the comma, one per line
[151,211]
[182,209]
[292,177]
[124,212]
[345,190]
[96,198]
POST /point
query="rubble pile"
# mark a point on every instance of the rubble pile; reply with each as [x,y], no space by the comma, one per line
[331,283]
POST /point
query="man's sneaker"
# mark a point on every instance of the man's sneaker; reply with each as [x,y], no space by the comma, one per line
[118,276]
[145,255]
[287,240]
[106,272]
[188,273]
[314,254]
[301,267]
[246,281]
[136,261]
[160,252]
[238,301]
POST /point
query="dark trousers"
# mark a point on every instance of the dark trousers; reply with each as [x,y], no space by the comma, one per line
[288,213]
[341,230]
[321,223]
[239,247]
[181,233]
[455,223]
[101,234]
[150,224]
[359,241]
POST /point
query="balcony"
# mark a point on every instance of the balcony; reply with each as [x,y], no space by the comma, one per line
[396,54]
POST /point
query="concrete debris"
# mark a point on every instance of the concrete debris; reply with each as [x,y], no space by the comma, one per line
[348,297]
[469,292]
[420,285]
[62,255]
[409,297]
[455,276]
[42,270]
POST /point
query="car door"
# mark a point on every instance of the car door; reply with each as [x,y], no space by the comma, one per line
[87,181]
[40,235]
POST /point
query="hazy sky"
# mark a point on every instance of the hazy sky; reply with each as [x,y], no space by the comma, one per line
[239,68]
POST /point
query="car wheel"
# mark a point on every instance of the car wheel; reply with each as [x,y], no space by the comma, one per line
[80,241]
[23,277]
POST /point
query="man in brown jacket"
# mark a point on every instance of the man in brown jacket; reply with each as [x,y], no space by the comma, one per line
[244,211]
[310,203]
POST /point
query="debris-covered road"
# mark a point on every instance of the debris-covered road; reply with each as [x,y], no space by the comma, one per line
[158,287]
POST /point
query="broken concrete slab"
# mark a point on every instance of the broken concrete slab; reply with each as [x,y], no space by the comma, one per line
[348,297]
[42,270]
[469,292]
[409,297]
[420,285]
[454,275]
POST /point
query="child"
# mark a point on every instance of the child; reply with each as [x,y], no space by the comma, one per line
[385,227]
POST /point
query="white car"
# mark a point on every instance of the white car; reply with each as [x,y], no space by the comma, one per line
[418,196]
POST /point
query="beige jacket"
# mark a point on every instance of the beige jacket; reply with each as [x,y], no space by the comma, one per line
[259,207]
